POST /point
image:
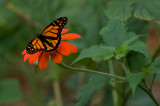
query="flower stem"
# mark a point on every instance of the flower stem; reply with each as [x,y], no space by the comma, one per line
[90,71]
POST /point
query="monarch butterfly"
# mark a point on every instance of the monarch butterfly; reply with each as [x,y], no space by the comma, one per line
[49,39]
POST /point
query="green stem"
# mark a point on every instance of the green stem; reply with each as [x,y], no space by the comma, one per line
[144,82]
[125,98]
[155,54]
[150,94]
[126,70]
[90,71]
[146,90]
[154,76]
[157,51]
[57,92]
[113,84]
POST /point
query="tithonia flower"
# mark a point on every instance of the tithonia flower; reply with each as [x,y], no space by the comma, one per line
[64,48]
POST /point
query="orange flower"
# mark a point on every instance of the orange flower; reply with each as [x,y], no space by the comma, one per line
[64,48]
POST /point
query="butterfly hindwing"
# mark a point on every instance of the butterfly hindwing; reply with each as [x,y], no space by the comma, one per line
[49,39]
[35,45]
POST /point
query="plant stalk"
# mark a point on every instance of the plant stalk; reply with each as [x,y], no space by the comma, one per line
[91,71]
[155,54]
[57,93]
[145,90]
[150,95]
[113,84]
[154,76]
[126,96]
[157,51]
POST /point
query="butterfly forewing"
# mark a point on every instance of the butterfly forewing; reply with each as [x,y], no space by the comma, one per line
[49,39]
[55,27]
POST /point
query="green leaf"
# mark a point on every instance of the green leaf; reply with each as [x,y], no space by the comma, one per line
[128,42]
[157,62]
[138,26]
[115,33]
[120,53]
[154,71]
[137,61]
[95,83]
[147,9]
[119,8]
[134,79]
[155,67]
[9,91]
[104,53]
[140,47]
[129,45]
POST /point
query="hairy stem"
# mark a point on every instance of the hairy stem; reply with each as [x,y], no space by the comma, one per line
[91,71]
[126,70]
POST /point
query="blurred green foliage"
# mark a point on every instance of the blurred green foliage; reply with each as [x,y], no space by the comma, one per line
[10,91]
[99,22]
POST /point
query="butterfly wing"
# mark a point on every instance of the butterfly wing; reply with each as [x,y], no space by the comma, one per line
[35,45]
[52,33]
[49,39]
[55,27]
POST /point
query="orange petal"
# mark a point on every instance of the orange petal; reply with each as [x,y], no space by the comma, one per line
[56,57]
[70,36]
[24,51]
[64,31]
[26,56]
[66,48]
[43,60]
[34,57]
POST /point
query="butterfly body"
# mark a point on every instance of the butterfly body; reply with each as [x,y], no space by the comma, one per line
[49,39]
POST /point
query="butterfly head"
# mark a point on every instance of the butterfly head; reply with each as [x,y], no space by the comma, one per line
[38,35]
